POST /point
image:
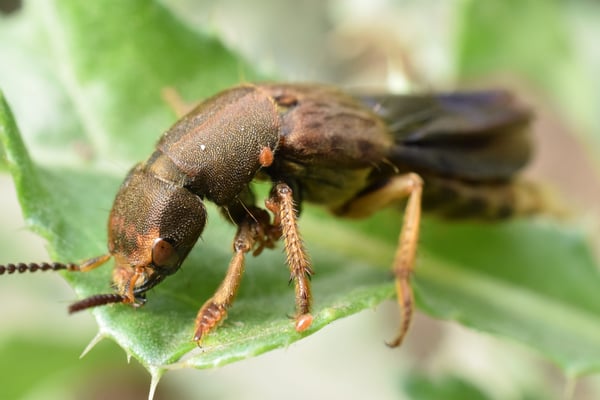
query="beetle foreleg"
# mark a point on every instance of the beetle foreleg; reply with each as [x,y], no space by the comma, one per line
[398,188]
[214,310]
[93,263]
[281,203]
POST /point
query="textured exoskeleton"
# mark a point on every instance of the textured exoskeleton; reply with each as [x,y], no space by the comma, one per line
[354,154]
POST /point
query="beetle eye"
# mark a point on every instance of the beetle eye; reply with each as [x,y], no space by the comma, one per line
[163,253]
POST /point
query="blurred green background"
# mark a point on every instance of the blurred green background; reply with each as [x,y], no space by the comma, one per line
[547,51]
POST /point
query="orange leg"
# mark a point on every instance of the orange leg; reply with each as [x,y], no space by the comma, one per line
[214,310]
[93,263]
[254,230]
[281,203]
[398,188]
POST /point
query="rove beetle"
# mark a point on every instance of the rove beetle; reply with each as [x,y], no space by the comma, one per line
[456,154]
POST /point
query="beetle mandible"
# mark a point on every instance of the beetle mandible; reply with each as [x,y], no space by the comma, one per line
[353,154]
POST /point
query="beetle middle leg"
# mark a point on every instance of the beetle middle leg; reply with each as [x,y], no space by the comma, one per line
[281,203]
[397,188]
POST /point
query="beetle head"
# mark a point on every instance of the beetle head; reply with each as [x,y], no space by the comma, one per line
[153,226]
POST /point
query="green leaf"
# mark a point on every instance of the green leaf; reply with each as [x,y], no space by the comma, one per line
[532,281]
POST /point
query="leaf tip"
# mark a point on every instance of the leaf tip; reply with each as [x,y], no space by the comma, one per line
[156,374]
[95,340]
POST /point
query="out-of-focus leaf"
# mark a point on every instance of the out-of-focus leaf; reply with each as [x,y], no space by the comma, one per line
[418,387]
[535,39]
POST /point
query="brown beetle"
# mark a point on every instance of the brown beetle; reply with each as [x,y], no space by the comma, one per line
[352,154]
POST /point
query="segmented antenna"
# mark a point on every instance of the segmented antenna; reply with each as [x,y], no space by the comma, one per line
[97,300]
[33,267]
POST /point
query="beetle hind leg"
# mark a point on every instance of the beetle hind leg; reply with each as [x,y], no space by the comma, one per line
[397,188]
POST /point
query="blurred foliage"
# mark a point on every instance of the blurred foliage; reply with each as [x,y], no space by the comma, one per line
[421,387]
[542,42]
